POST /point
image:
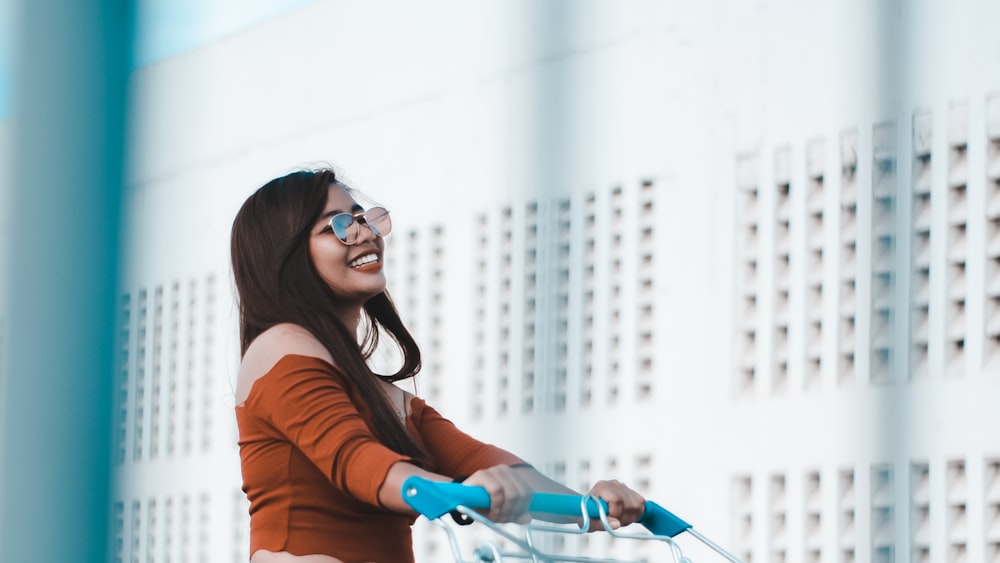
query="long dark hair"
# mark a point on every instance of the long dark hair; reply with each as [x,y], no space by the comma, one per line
[277,282]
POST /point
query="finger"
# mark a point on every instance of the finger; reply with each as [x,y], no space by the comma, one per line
[639,506]
[517,494]
[498,500]
[484,479]
[624,504]
[615,505]
[631,515]
[629,505]
[510,496]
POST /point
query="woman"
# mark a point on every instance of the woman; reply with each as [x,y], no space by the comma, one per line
[325,442]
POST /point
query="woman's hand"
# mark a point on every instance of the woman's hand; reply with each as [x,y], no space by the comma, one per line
[625,506]
[510,494]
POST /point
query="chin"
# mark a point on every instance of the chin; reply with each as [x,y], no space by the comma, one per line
[368,294]
[358,290]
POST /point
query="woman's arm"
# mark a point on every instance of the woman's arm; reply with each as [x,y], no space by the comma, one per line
[390,493]
[540,483]
[457,453]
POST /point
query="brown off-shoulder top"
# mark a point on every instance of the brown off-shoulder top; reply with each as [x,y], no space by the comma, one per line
[312,467]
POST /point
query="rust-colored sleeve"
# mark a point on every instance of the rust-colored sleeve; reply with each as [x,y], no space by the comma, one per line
[455,453]
[305,399]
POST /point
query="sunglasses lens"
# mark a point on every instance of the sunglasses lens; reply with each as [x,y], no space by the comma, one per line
[348,228]
[345,227]
[378,219]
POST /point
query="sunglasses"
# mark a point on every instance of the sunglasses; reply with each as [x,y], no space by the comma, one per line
[347,227]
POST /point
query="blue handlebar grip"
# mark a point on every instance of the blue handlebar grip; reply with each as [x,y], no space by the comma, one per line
[435,499]
[566,505]
[661,521]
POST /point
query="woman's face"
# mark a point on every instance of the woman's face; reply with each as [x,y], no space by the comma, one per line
[353,272]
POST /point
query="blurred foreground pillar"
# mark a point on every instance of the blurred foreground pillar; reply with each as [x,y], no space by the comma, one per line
[72,61]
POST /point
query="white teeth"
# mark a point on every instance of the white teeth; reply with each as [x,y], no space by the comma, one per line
[366,259]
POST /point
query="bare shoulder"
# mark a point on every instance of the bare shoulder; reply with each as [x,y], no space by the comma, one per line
[272,345]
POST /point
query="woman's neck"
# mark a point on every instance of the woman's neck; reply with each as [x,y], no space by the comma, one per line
[350,317]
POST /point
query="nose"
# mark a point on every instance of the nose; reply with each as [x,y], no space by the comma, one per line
[366,232]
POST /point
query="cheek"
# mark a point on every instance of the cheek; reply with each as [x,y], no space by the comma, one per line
[326,258]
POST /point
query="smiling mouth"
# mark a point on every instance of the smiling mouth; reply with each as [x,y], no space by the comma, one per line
[364,260]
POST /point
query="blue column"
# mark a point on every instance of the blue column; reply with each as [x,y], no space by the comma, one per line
[72,61]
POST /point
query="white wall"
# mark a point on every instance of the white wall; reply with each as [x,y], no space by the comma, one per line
[447,109]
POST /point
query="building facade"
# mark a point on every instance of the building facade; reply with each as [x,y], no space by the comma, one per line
[709,250]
